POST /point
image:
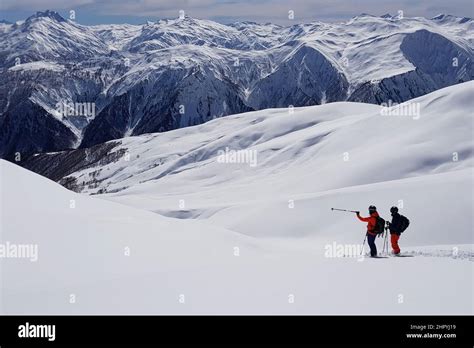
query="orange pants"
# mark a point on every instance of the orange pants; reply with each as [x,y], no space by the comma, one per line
[394,239]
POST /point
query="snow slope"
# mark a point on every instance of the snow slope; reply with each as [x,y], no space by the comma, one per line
[81,254]
[305,150]
[194,211]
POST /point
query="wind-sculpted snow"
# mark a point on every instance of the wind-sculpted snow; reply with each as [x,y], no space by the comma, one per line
[284,152]
[176,73]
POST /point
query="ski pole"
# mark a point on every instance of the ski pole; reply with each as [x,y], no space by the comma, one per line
[350,211]
[363,244]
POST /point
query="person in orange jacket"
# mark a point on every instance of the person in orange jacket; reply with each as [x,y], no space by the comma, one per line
[371,222]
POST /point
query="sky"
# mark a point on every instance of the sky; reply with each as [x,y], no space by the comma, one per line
[228,11]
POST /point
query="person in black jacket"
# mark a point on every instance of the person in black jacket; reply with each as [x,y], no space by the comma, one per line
[395,229]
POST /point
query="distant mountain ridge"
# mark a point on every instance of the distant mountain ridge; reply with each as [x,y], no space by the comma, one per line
[181,72]
[381,147]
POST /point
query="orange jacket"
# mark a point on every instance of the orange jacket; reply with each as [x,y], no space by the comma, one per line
[371,221]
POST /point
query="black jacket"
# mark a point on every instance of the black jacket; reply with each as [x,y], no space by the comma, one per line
[396,224]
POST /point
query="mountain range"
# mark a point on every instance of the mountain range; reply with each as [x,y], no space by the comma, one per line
[176,73]
[313,149]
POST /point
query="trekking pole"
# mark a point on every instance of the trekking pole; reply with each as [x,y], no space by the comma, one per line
[362,250]
[386,233]
[350,211]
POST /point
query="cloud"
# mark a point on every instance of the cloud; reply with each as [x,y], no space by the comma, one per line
[40,5]
[259,10]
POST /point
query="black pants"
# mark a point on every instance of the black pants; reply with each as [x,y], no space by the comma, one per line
[371,242]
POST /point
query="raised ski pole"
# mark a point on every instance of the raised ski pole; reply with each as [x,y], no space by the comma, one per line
[349,211]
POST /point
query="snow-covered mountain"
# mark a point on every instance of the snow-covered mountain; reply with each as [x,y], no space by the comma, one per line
[181,72]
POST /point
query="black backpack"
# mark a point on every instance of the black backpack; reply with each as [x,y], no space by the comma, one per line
[379,225]
[404,223]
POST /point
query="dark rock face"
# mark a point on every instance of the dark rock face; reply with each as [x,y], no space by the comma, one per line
[156,105]
[57,166]
[27,128]
[308,78]
[27,124]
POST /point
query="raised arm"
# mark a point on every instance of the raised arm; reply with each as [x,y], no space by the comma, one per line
[367,219]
